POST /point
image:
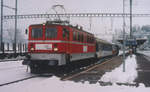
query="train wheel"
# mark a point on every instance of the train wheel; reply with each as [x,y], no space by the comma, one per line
[35,69]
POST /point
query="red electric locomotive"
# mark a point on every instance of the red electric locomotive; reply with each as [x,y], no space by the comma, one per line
[57,43]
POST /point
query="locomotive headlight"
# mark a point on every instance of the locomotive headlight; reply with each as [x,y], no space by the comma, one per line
[32,48]
[55,49]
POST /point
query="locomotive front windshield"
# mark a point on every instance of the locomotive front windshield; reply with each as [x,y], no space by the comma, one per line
[51,33]
[36,33]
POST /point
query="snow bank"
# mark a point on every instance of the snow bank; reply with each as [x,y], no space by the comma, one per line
[55,85]
[118,75]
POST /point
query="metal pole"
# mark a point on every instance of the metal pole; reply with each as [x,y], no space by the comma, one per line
[1,47]
[15,38]
[90,20]
[123,36]
[130,19]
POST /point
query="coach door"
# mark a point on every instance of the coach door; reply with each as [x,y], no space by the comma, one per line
[66,38]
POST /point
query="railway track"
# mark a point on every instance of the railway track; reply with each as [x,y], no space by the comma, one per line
[102,66]
[87,69]
[16,81]
[26,78]
[93,73]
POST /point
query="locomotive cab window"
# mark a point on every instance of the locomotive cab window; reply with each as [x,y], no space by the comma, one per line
[36,33]
[51,33]
[65,33]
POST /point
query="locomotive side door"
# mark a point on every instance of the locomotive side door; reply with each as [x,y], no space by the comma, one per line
[66,37]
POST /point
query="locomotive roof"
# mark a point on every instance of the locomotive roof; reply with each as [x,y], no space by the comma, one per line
[62,24]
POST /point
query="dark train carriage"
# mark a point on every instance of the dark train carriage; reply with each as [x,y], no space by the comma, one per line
[104,48]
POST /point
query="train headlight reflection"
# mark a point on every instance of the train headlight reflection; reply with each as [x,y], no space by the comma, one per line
[32,48]
[55,49]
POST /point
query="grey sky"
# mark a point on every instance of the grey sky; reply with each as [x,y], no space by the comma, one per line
[40,6]
[100,25]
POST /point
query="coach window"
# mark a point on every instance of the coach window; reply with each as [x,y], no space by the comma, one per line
[110,48]
[65,33]
[81,37]
[100,46]
[74,36]
[104,47]
[92,39]
[88,39]
[37,33]
[78,36]
[51,33]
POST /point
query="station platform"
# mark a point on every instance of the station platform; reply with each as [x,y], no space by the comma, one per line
[139,41]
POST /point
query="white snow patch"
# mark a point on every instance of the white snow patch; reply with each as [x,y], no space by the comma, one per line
[11,71]
[117,75]
[121,51]
[10,64]
[55,85]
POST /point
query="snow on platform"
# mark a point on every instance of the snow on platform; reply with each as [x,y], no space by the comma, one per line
[54,84]
[118,76]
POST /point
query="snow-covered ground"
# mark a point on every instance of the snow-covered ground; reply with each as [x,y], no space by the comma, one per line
[54,84]
[12,70]
[117,75]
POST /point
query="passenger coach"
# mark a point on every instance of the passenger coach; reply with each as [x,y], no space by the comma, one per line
[105,49]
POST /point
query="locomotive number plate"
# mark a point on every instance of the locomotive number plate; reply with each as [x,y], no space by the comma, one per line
[43,46]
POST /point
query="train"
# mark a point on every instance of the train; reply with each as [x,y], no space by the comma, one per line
[58,43]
